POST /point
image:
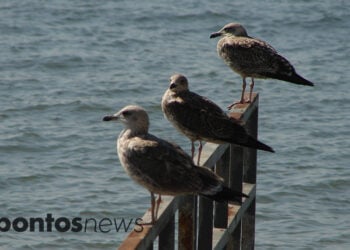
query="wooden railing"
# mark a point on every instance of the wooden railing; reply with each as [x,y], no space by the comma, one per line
[201,223]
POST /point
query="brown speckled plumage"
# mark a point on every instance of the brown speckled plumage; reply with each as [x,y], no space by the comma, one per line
[251,57]
[160,166]
[200,119]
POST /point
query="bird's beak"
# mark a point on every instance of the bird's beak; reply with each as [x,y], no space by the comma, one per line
[111,118]
[172,85]
[216,34]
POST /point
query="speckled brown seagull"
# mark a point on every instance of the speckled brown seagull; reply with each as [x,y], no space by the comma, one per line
[200,119]
[251,57]
[162,167]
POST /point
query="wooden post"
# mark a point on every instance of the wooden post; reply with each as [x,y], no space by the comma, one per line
[205,208]
[236,177]
[167,236]
[250,172]
[188,223]
[250,155]
[205,224]
[220,213]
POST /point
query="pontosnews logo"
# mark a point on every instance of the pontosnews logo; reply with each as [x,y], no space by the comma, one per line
[64,224]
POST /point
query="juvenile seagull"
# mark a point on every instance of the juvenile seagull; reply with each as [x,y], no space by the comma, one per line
[162,167]
[200,119]
[251,57]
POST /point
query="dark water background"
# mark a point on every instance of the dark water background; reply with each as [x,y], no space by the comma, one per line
[66,64]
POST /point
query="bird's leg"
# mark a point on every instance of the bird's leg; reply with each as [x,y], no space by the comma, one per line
[242,95]
[251,90]
[153,219]
[243,90]
[159,200]
[153,201]
[192,149]
[199,152]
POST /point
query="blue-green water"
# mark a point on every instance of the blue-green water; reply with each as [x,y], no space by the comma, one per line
[66,64]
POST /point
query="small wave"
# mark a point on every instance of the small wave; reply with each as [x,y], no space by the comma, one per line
[29,179]
[61,62]
[89,106]
[45,106]
[19,148]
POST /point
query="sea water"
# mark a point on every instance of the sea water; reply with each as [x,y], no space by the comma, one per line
[66,64]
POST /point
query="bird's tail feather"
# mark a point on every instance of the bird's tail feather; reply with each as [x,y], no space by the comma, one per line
[215,189]
[295,78]
[253,143]
[263,146]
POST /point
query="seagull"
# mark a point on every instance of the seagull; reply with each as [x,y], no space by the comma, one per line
[200,119]
[254,58]
[162,167]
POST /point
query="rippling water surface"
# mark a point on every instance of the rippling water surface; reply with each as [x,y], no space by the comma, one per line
[65,65]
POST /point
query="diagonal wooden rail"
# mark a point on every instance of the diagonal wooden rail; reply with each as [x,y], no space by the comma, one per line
[201,223]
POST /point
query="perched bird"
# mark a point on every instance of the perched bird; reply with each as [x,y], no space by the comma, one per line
[251,57]
[200,119]
[162,167]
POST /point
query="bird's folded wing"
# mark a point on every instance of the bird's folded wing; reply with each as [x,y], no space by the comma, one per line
[164,164]
[255,57]
[206,121]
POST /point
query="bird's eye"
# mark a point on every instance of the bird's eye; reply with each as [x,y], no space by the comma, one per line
[126,113]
